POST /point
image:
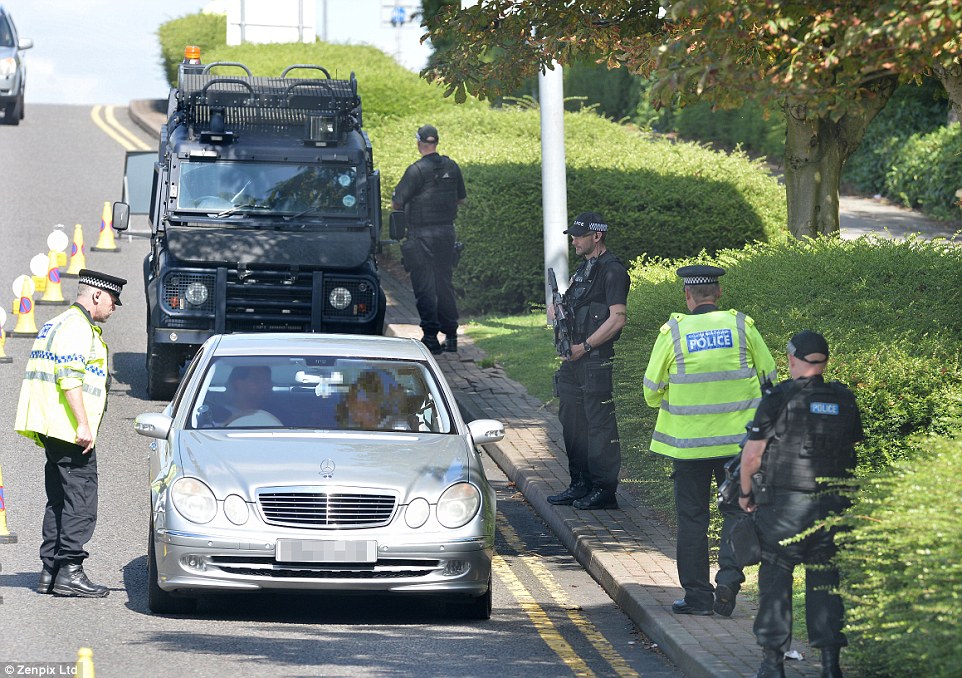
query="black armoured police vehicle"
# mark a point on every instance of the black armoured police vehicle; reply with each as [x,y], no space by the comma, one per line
[264,213]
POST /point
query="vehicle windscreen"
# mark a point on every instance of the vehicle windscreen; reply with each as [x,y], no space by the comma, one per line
[267,188]
[322,392]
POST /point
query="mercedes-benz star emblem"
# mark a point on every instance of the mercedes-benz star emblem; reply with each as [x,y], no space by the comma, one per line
[327,468]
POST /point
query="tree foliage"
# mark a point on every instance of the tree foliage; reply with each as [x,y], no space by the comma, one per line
[830,65]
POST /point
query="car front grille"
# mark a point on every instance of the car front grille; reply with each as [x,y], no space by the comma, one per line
[320,509]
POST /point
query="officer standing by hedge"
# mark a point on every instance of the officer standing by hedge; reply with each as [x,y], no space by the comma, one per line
[429,193]
[804,430]
[597,298]
[62,401]
[705,373]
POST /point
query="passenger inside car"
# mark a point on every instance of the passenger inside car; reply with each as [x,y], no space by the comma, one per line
[375,402]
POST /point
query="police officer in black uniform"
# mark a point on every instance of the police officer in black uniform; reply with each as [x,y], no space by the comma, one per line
[429,193]
[803,431]
[597,298]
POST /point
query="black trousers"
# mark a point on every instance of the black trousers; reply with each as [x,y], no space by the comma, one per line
[70,479]
[429,259]
[587,414]
[693,497]
[788,514]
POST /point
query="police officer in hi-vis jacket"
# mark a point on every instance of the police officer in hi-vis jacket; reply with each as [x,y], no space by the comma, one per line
[62,402]
[705,375]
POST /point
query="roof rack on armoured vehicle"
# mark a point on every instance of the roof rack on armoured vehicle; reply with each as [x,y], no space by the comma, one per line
[214,104]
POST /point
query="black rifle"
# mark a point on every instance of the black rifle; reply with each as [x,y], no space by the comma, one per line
[562,319]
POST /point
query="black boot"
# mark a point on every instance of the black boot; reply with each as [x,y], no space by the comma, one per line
[431,341]
[71,581]
[724,600]
[45,583]
[576,490]
[598,499]
[773,664]
[451,343]
[830,667]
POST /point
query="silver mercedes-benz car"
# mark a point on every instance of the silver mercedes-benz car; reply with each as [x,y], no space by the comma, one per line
[294,462]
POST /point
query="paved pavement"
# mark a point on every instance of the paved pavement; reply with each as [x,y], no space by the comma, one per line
[628,551]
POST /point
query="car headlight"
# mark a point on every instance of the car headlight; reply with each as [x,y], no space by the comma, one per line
[235,508]
[339,298]
[196,293]
[417,513]
[8,66]
[458,504]
[193,500]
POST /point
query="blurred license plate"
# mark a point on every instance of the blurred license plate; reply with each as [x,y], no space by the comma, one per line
[325,551]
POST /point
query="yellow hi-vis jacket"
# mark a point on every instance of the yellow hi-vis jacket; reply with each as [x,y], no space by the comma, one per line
[705,375]
[67,353]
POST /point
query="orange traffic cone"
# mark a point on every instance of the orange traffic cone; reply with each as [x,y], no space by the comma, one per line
[52,294]
[6,536]
[78,254]
[105,243]
[25,327]
[85,663]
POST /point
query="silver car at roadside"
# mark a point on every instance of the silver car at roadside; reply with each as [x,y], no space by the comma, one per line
[310,462]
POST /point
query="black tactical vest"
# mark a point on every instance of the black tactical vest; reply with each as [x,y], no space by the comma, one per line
[437,202]
[587,299]
[814,437]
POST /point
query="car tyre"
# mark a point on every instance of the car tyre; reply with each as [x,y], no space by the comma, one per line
[477,609]
[11,116]
[163,370]
[160,601]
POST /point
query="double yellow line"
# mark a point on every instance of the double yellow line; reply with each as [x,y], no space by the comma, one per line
[539,618]
[104,118]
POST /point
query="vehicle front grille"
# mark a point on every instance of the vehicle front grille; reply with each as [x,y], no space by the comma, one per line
[385,568]
[269,301]
[326,510]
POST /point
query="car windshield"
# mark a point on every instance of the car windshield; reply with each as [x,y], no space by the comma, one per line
[319,392]
[267,188]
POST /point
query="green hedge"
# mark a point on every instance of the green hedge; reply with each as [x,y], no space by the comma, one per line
[913,109]
[888,309]
[661,198]
[902,568]
[927,172]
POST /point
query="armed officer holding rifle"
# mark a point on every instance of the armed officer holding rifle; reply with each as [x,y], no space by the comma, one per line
[595,306]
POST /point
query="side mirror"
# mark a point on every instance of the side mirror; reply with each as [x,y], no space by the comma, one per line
[121,216]
[398,226]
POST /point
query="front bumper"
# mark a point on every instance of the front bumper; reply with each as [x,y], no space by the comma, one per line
[193,564]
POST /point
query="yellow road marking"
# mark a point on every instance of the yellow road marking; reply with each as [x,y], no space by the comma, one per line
[115,130]
[112,121]
[587,629]
[544,626]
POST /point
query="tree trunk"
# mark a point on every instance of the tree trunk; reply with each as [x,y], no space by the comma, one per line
[816,149]
[951,79]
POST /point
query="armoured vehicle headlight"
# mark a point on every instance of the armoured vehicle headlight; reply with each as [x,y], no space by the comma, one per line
[458,505]
[196,293]
[235,508]
[339,298]
[193,500]
[417,513]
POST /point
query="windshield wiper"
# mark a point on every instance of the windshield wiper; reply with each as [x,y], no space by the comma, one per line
[312,208]
[236,208]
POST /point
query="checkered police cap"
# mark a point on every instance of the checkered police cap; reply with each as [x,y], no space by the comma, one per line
[700,274]
[103,281]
